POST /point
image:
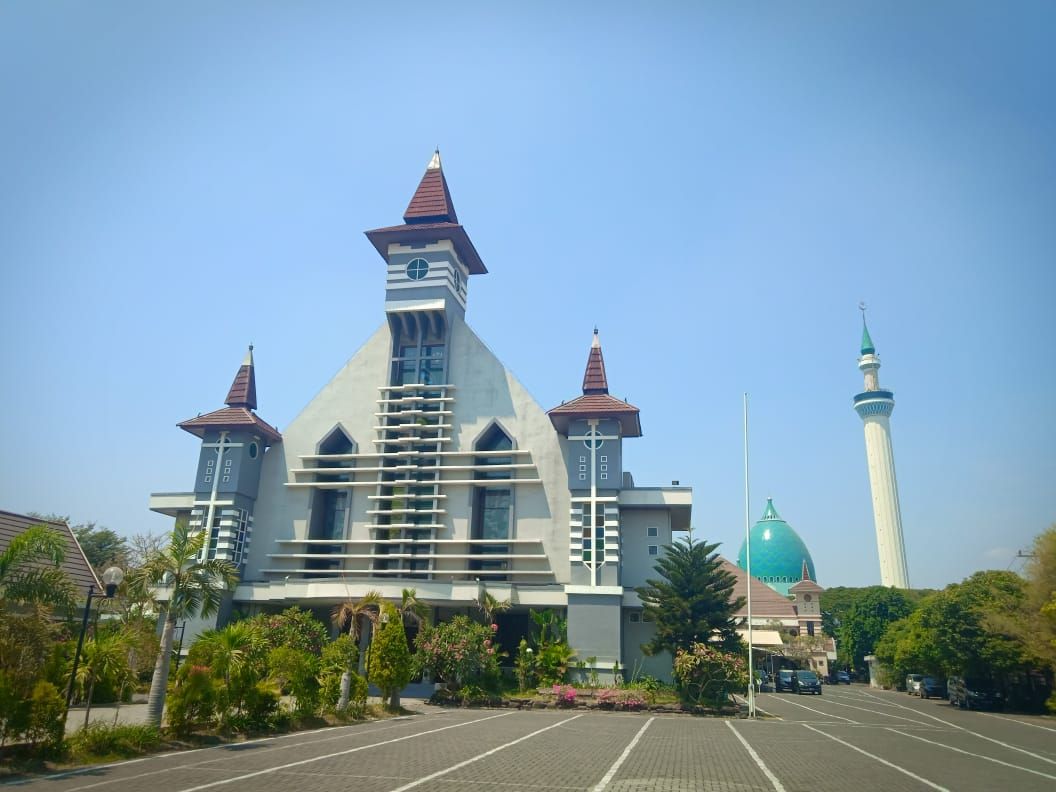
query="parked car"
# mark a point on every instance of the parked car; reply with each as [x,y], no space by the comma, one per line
[930,687]
[973,693]
[784,681]
[806,682]
[913,684]
[843,677]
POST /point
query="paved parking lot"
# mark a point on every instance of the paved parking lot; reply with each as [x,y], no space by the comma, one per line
[850,738]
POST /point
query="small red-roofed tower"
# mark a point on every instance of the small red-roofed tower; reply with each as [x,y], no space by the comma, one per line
[593,427]
[234,440]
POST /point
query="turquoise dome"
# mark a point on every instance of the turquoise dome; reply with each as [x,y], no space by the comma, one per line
[777,552]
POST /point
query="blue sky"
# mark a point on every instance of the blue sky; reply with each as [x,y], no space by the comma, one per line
[716,186]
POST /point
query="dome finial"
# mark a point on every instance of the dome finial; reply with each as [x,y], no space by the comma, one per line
[770,513]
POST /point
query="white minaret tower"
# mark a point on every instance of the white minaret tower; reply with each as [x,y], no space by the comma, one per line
[874,407]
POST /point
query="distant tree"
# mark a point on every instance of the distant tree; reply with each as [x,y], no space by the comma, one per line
[692,600]
[390,657]
[140,547]
[866,620]
[193,588]
[102,547]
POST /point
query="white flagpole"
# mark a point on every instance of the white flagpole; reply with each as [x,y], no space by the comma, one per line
[748,564]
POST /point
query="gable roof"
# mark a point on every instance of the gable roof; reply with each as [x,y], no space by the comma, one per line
[74,564]
[766,603]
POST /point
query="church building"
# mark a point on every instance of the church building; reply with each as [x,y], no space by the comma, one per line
[425,464]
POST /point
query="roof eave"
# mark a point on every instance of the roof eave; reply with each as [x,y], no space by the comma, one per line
[381,238]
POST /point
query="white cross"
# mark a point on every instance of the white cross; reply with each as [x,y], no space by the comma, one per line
[594,440]
[221,446]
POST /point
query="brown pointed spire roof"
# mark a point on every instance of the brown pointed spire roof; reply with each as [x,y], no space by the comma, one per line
[432,200]
[430,217]
[596,401]
[243,391]
[594,379]
[805,574]
[241,402]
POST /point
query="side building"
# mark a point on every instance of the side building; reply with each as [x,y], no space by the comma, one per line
[425,464]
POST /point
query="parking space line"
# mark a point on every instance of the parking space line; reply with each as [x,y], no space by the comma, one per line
[877,758]
[200,765]
[339,753]
[874,712]
[975,733]
[478,757]
[969,753]
[758,760]
[604,782]
[819,712]
[1021,723]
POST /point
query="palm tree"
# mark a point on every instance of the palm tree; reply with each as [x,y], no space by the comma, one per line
[30,569]
[230,651]
[105,659]
[413,610]
[490,606]
[356,614]
[194,589]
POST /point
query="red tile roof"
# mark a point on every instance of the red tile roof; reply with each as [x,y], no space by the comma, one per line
[596,401]
[231,418]
[74,564]
[766,603]
[430,217]
[594,379]
[243,391]
[432,200]
[598,405]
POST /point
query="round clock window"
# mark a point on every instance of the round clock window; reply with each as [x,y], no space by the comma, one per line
[417,269]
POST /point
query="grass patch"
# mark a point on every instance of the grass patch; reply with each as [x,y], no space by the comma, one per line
[99,742]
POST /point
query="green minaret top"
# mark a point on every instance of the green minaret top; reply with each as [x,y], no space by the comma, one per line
[867,342]
[771,512]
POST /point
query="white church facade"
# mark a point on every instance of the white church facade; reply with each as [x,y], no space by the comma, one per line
[425,464]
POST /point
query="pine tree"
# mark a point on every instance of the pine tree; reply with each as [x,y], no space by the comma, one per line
[692,600]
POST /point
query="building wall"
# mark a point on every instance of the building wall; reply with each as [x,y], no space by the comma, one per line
[638,565]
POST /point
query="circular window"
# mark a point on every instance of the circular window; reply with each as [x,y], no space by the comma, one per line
[806,598]
[252,450]
[417,269]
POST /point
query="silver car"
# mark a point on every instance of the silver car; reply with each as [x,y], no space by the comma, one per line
[913,684]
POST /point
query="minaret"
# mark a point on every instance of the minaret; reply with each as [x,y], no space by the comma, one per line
[874,406]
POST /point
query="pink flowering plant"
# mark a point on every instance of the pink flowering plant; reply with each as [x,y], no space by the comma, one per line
[707,676]
[564,695]
[621,699]
[459,652]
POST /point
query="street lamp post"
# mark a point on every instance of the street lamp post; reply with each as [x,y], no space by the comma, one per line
[112,578]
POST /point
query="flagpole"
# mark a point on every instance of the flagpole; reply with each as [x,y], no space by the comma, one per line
[748,564]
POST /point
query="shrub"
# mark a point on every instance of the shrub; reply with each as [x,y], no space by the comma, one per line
[47,721]
[103,740]
[620,699]
[340,656]
[390,659]
[191,700]
[707,675]
[459,651]
[296,671]
[295,628]
[564,695]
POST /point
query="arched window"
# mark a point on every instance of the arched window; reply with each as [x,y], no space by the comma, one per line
[493,502]
[330,507]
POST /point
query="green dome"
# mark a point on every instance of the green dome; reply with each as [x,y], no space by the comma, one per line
[777,552]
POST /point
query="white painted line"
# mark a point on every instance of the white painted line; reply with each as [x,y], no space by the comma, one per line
[339,753]
[977,756]
[981,736]
[605,779]
[224,758]
[758,760]
[879,759]
[478,757]
[1021,722]
[819,712]
[886,714]
[69,773]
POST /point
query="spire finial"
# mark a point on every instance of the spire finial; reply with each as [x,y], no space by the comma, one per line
[434,163]
[867,341]
[596,343]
